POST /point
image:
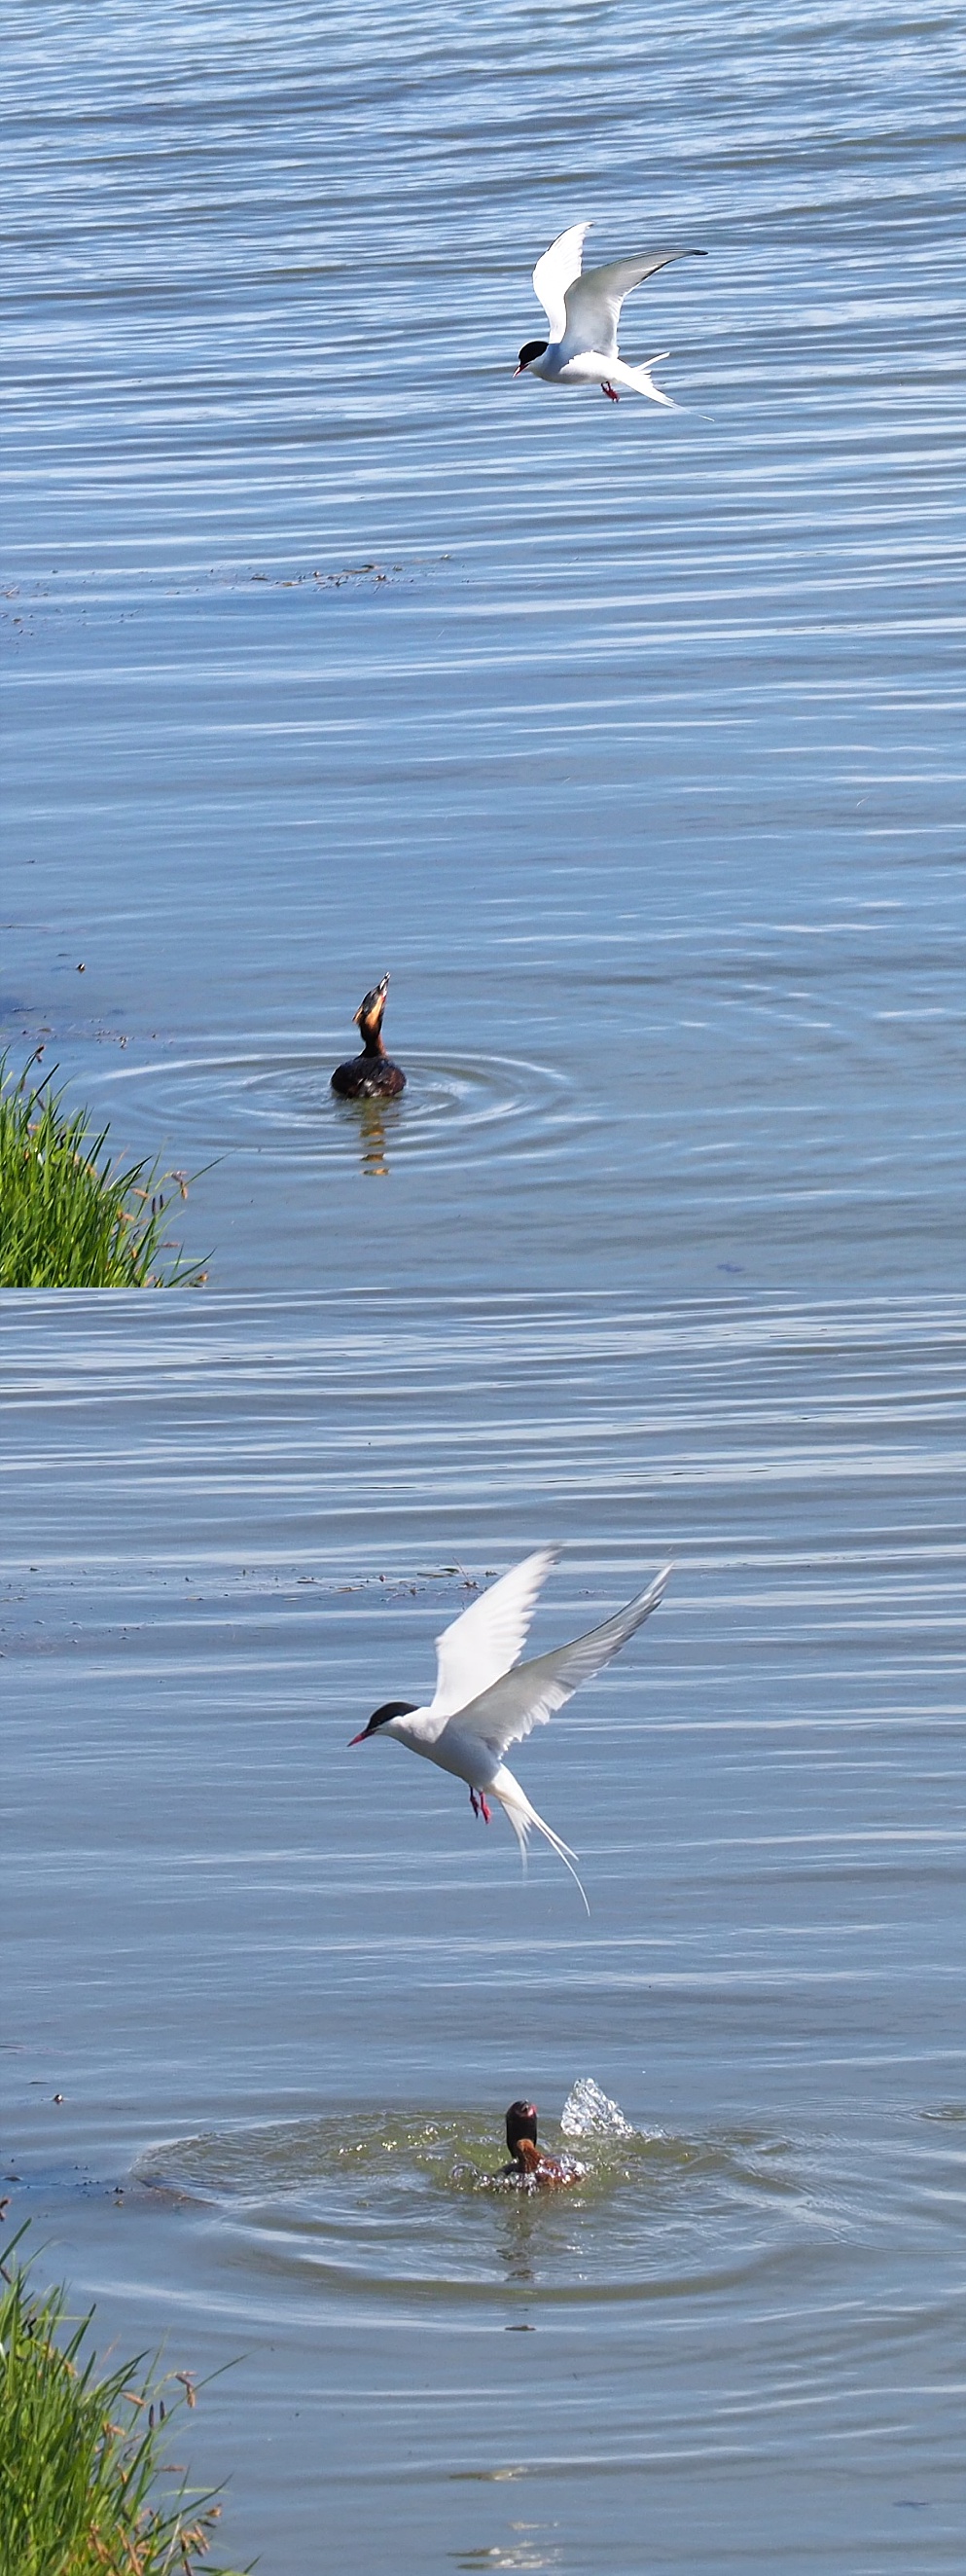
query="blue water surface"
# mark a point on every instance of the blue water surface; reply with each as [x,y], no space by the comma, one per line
[630,741]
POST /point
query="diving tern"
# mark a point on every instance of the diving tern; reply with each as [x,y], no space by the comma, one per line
[485,1700]
[583,312]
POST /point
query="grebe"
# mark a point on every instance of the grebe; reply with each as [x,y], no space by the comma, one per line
[371,1075]
[528,2162]
[583,314]
[481,1705]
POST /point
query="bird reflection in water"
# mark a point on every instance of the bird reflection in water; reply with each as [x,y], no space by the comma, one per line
[519,2236]
[374,1120]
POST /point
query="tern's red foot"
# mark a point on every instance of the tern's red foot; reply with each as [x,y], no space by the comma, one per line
[484,1809]
[473,1802]
[609,391]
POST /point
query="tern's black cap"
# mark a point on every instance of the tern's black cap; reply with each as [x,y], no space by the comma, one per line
[390,1708]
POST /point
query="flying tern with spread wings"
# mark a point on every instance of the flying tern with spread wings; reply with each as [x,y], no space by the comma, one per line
[485,1700]
[583,312]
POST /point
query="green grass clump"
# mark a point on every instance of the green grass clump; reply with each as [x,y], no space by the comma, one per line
[80,2457]
[68,1218]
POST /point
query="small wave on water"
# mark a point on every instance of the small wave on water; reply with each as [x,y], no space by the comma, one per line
[264,1096]
[399,2200]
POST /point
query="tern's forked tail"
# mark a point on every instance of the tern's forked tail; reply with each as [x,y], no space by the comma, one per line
[641,378]
[523,1817]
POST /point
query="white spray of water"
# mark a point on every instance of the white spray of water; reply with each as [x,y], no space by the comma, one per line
[589,2113]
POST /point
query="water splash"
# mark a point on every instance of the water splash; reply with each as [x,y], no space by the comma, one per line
[589,2113]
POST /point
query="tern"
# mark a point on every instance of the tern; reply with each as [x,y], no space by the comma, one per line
[583,312]
[485,1699]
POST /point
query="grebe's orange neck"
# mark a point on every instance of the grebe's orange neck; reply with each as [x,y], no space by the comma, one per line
[528,2158]
[533,2165]
[368,1017]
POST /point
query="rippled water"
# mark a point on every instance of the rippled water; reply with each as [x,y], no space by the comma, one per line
[288,1989]
[631,743]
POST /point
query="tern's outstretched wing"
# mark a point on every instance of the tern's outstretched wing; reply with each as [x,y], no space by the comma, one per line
[481,1646]
[528,1696]
[555,272]
[594,301]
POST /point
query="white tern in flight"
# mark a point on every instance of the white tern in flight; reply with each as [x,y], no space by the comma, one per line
[485,1700]
[583,312]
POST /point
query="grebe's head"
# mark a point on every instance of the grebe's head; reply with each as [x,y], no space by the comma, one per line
[381,1716]
[531,349]
[521,2122]
[368,1017]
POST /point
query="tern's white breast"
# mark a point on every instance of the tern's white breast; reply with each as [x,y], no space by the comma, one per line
[462,1754]
[587,369]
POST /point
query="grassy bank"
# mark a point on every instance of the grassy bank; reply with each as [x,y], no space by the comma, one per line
[82,2457]
[68,1217]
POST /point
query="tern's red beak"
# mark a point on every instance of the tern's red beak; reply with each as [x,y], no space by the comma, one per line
[518,371]
[357,1739]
